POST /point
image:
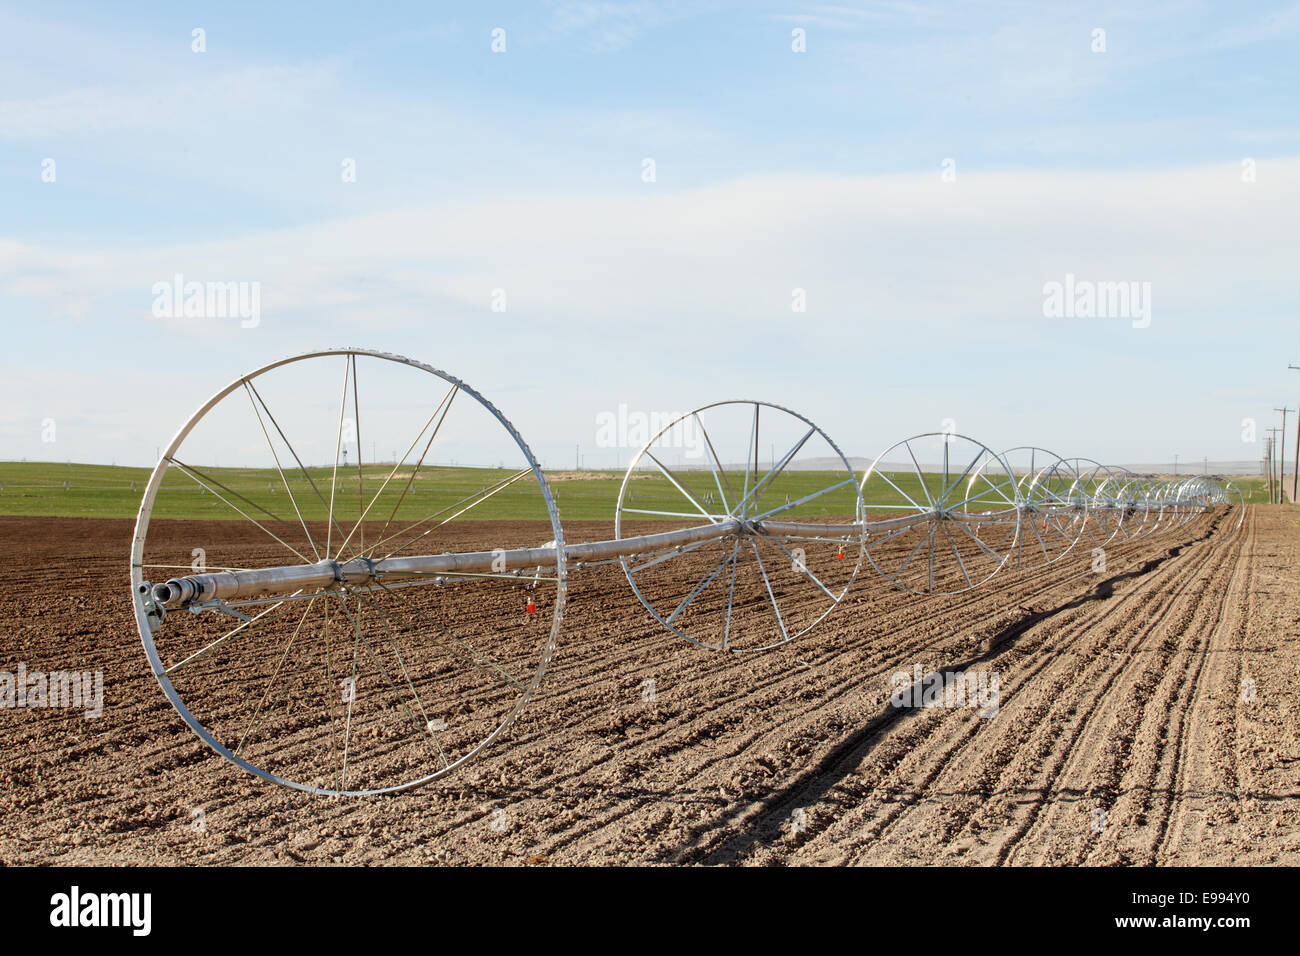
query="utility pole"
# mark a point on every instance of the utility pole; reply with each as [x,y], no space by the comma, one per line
[1264,467]
[1175,464]
[1272,475]
[1295,475]
[1281,457]
[1272,440]
[1268,466]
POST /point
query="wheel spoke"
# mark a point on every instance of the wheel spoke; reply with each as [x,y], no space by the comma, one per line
[716,465]
[731,599]
[700,587]
[919,545]
[451,393]
[943,490]
[255,720]
[676,484]
[991,487]
[753,443]
[804,499]
[193,474]
[713,519]
[768,584]
[287,444]
[478,498]
[979,454]
[933,534]
[913,508]
[285,481]
[777,468]
[244,627]
[917,468]
[889,537]
[675,552]
[361,478]
[352,694]
[328,607]
[467,653]
[392,684]
[334,479]
[1033,526]
[801,566]
[960,562]
[909,498]
[989,551]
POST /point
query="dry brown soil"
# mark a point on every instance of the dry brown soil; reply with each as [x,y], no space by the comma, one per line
[1146,715]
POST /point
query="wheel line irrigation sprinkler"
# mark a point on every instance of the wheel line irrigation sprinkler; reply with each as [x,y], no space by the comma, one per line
[370,609]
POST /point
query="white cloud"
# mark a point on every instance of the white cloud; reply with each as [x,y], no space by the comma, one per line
[863,247]
[923,297]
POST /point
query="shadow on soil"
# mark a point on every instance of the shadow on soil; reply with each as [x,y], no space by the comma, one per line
[773,813]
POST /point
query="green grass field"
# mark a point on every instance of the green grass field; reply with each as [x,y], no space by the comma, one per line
[1253,490]
[103,491]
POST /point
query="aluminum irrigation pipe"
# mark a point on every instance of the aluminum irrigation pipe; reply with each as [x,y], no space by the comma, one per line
[290,579]
[281,580]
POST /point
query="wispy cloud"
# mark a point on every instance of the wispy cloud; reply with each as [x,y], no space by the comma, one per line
[187,102]
[843,17]
[606,26]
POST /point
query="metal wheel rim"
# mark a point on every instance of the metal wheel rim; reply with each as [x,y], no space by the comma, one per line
[138,591]
[952,494]
[622,510]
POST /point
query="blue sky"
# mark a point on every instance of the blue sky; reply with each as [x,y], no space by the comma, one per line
[775,170]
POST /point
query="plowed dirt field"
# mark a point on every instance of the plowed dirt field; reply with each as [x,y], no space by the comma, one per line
[1146,714]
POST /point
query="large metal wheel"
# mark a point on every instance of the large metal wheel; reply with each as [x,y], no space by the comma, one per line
[932,528]
[793,499]
[1132,499]
[1159,513]
[348,689]
[1043,539]
[1085,511]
